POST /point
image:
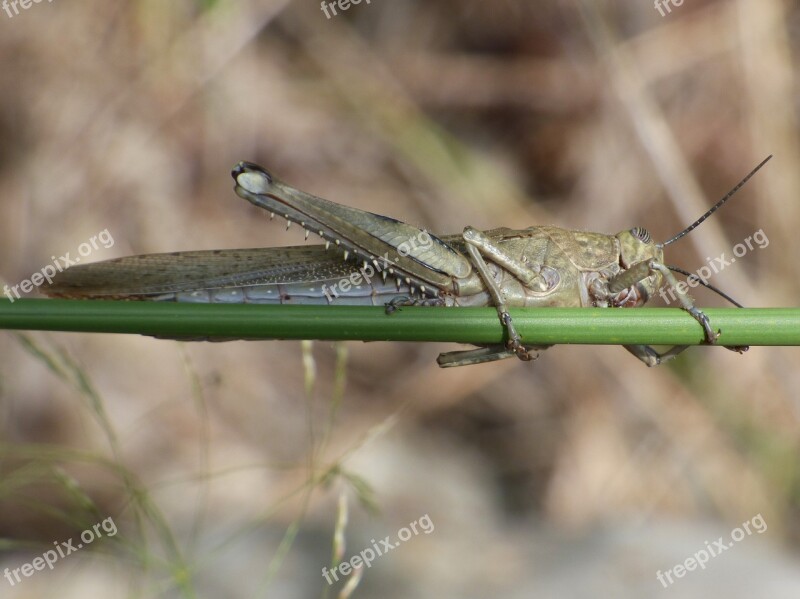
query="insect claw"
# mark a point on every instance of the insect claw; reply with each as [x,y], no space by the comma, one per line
[524,355]
[288,224]
[394,305]
[328,245]
[711,336]
[307,233]
[336,241]
[271,215]
[346,254]
[739,349]
[383,274]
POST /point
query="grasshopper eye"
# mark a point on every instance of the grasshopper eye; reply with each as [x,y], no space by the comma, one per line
[641,234]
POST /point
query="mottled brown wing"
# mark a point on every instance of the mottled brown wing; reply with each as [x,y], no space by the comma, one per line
[153,274]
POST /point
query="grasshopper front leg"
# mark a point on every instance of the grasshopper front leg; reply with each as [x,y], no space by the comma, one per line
[646,353]
[687,303]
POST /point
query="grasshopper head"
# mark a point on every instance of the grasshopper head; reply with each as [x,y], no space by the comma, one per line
[636,245]
[637,283]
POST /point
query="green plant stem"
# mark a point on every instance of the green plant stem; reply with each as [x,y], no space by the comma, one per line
[748,326]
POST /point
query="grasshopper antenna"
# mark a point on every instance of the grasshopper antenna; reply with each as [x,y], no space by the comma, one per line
[706,285]
[716,206]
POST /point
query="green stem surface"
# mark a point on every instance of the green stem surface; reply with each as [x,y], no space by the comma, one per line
[546,326]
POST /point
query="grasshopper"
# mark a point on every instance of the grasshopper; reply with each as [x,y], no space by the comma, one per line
[377,260]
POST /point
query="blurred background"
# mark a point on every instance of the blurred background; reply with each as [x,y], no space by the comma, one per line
[242,469]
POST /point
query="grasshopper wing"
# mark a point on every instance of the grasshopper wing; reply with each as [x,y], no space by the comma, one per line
[150,275]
